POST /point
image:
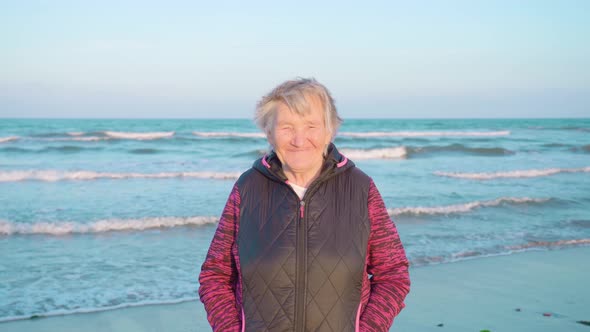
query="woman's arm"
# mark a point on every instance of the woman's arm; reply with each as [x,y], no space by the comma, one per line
[219,273]
[388,265]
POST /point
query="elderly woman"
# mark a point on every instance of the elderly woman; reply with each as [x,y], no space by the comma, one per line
[305,242]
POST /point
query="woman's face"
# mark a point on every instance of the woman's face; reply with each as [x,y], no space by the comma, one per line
[300,141]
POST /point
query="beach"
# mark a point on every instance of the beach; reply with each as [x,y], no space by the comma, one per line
[527,291]
[105,223]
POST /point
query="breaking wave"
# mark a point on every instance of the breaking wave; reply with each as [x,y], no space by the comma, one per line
[8,139]
[139,136]
[548,244]
[62,312]
[385,153]
[228,134]
[101,226]
[53,175]
[462,208]
[87,138]
[409,151]
[531,173]
[423,133]
[497,251]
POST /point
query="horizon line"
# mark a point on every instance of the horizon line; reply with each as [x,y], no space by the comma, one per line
[245,118]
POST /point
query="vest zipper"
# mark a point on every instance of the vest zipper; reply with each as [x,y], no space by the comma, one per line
[301,274]
[301,209]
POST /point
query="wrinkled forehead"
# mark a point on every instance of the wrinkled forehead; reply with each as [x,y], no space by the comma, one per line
[301,104]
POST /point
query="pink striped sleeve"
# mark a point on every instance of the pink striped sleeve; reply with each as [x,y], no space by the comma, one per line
[219,273]
[388,265]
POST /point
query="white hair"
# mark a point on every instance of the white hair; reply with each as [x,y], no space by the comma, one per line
[297,95]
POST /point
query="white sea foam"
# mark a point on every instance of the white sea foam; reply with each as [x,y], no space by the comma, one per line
[470,254]
[78,138]
[423,133]
[76,133]
[530,173]
[101,226]
[139,136]
[384,153]
[89,138]
[53,175]
[462,208]
[63,312]
[8,139]
[228,134]
[548,244]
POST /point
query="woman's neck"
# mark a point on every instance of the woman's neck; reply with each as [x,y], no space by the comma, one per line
[302,179]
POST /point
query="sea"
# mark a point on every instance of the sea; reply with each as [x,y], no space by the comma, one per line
[100,214]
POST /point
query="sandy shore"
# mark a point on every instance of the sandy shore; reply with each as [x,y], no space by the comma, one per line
[532,291]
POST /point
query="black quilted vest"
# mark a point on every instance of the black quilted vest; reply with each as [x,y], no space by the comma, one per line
[303,261]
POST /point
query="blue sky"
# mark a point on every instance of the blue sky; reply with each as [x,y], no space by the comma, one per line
[215,59]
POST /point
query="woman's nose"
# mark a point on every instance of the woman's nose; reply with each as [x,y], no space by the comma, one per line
[298,138]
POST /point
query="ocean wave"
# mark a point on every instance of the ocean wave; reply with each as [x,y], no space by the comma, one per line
[65,148]
[48,135]
[145,151]
[103,136]
[424,133]
[368,134]
[492,151]
[53,175]
[497,251]
[583,148]
[62,149]
[548,244]
[101,226]
[8,139]
[384,153]
[554,145]
[57,138]
[252,153]
[409,151]
[139,136]
[87,138]
[63,312]
[461,208]
[228,134]
[581,223]
[456,257]
[531,173]
[584,129]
